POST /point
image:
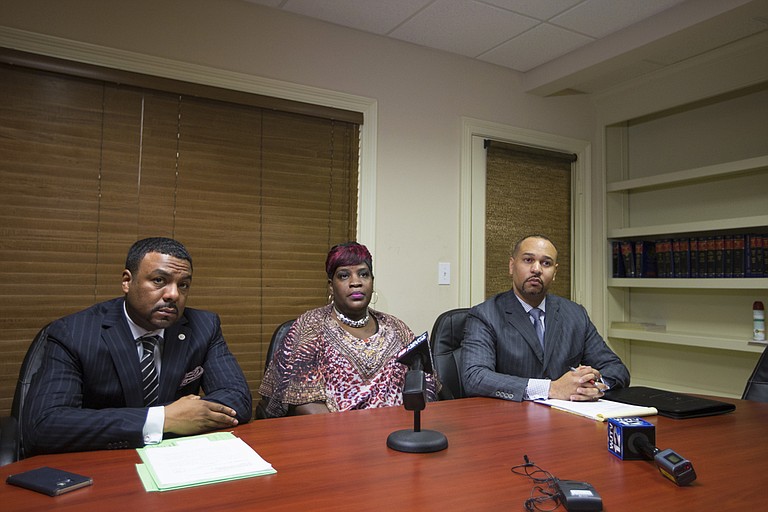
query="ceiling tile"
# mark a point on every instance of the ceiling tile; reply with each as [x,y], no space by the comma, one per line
[540,44]
[598,18]
[560,45]
[376,16]
[464,27]
[541,10]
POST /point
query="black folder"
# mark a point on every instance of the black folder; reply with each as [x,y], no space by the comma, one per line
[669,403]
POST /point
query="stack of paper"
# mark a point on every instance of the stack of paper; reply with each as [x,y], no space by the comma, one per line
[198,460]
[600,410]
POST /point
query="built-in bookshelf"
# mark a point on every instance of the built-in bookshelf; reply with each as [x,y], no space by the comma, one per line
[692,172]
[716,175]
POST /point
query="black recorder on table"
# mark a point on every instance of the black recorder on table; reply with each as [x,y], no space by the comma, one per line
[635,438]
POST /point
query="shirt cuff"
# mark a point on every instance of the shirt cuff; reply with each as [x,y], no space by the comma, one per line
[537,389]
[153,426]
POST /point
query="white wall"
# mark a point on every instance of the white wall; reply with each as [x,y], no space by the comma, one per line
[421,96]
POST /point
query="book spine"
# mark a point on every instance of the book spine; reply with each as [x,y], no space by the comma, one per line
[628,254]
[645,259]
[676,265]
[719,256]
[693,258]
[685,259]
[703,251]
[738,255]
[711,259]
[765,255]
[668,258]
[618,260]
[660,268]
[751,247]
[681,249]
[728,256]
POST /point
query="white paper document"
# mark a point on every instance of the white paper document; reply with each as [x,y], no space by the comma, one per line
[199,460]
[599,410]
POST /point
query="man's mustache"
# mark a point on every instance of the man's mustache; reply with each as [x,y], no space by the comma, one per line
[170,305]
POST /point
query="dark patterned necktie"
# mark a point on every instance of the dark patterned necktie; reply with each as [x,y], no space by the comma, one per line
[149,379]
[536,314]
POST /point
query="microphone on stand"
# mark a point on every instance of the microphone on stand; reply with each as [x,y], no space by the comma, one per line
[418,358]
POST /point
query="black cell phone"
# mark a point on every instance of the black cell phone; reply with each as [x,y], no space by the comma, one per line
[50,481]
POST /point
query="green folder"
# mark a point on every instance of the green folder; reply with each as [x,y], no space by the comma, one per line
[198,460]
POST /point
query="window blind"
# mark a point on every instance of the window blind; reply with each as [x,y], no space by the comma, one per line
[528,191]
[88,166]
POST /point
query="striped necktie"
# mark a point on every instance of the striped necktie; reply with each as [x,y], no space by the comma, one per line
[149,380]
[537,324]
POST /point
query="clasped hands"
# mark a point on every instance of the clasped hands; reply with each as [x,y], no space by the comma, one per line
[578,385]
[192,415]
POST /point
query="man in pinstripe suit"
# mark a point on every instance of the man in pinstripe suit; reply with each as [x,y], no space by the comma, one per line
[88,393]
[525,345]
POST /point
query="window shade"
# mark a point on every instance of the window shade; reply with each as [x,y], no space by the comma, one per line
[528,191]
[257,195]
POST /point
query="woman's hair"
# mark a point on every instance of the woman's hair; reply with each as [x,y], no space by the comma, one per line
[344,255]
[162,245]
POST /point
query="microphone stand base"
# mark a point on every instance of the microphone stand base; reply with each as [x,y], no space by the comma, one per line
[423,441]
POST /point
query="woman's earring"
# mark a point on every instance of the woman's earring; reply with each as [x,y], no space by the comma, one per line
[330,298]
[375,297]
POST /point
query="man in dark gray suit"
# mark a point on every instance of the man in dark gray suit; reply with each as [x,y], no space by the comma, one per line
[101,386]
[525,345]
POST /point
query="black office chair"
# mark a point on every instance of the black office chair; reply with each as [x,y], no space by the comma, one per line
[277,340]
[9,435]
[12,433]
[447,336]
[757,385]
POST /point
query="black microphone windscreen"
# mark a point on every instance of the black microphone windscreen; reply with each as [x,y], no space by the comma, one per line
[417,354]
[415,391]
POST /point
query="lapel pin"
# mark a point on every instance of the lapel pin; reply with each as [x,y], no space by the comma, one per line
[182,337]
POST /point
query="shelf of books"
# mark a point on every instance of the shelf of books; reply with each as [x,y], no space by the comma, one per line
[704,261]
[716,253]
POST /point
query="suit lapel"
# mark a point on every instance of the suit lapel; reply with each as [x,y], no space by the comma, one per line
[552,327]
[177,339]
[117,336]
[521,321]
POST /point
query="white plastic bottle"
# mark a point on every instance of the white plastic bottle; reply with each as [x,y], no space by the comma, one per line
[758,321]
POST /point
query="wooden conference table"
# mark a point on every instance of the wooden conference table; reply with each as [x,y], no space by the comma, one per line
[341,462]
